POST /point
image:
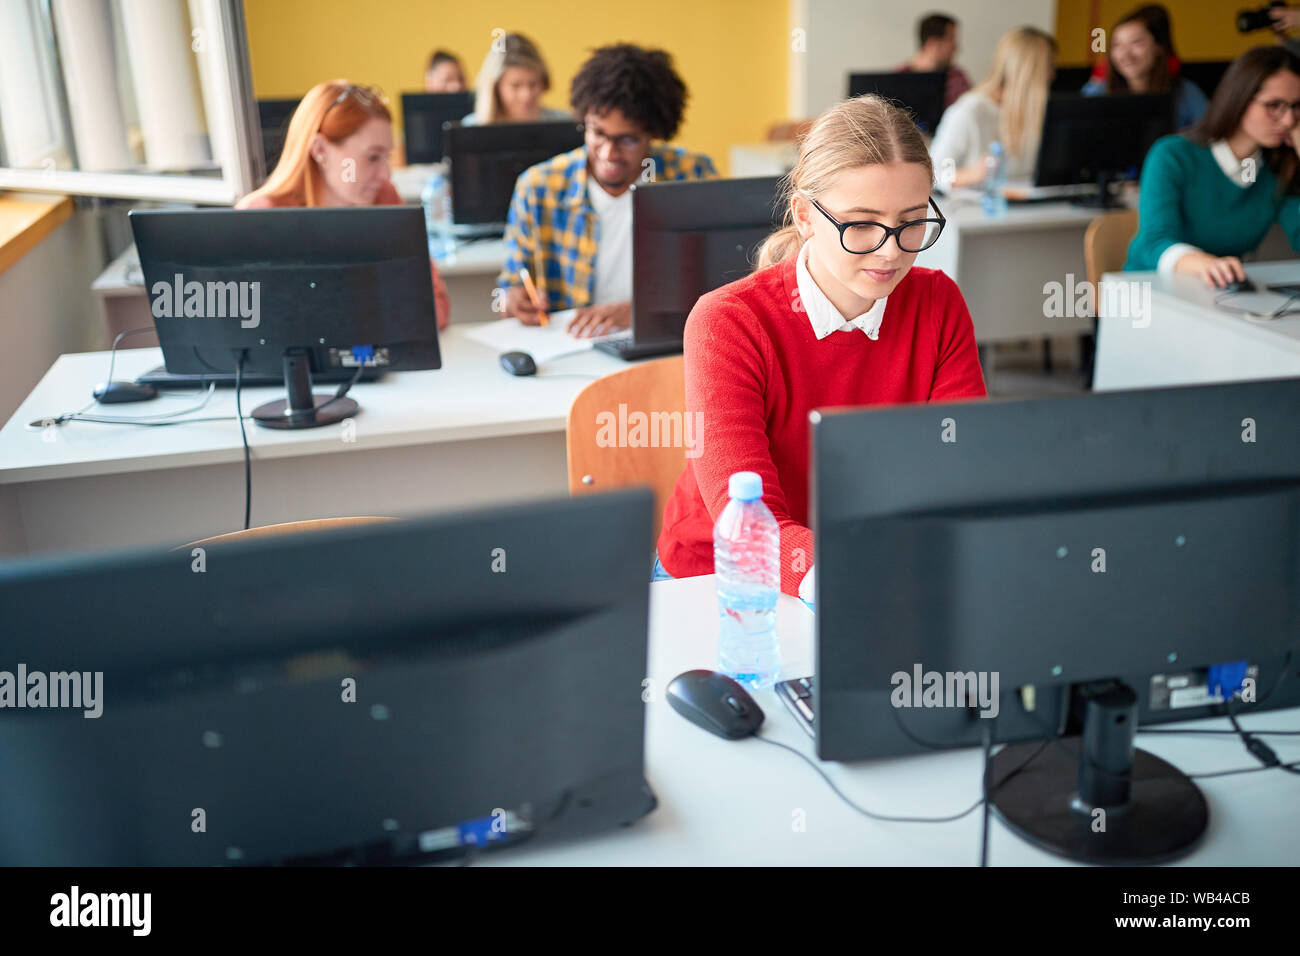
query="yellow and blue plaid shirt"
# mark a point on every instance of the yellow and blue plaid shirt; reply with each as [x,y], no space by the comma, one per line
[553,231]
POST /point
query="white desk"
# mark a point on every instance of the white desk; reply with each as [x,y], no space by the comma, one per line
[762,159]
[465,434]
[733,803]
[1001,265]
[1189,341]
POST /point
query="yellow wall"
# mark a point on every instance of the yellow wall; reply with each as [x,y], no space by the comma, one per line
[1203,29]
[732,54]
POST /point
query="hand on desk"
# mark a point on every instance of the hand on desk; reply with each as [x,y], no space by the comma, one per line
[1217,271]
[601,319]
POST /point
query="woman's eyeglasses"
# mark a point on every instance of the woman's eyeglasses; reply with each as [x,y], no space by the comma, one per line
[861,237]
[1277,109]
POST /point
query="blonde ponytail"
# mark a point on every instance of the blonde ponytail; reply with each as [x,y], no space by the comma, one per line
[863,131]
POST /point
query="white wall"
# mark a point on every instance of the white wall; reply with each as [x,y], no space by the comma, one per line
[845,36]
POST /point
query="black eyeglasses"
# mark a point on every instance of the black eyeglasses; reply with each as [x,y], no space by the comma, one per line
[1277,109]
[862,237]
[623,144]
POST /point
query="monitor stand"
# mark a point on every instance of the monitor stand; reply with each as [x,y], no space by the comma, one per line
[302,409]
[1105,198]
[1096,798]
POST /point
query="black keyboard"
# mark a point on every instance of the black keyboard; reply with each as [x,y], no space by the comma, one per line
[628,350]
[161,378]
[797,695]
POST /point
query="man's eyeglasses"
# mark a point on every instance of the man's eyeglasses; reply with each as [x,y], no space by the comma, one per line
[624,144]
[1277,109]
[861,237]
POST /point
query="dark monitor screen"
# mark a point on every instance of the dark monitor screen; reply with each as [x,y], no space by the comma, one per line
[486,162]
[442,686]
[1206,74]
[324,281]
[1071,79]
[273,118]
[922,93]
[689,238]
[422,117]
[1088,137]
[1052,542]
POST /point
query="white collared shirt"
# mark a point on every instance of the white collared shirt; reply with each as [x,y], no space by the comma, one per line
[825,318]
[1241,172]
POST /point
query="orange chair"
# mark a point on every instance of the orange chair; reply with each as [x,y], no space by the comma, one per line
[631,428]
[1105,249]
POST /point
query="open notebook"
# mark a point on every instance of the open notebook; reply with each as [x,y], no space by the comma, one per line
[543,343]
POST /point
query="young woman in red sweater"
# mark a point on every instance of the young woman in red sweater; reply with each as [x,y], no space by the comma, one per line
[834,315]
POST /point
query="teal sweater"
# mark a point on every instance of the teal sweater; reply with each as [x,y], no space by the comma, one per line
[1185,197]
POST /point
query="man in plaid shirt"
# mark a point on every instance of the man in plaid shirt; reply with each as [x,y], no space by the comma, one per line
[570,220]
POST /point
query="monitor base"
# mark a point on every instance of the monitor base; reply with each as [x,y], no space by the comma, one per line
[277,414]
[1164,818]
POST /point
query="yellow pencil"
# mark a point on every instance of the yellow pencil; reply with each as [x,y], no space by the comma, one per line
[532,294]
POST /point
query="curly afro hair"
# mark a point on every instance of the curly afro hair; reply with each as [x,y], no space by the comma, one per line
[639,83]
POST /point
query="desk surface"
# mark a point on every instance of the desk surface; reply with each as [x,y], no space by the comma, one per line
[471,396]
[735,802]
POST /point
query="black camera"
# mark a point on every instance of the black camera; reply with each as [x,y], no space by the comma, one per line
[1250,20]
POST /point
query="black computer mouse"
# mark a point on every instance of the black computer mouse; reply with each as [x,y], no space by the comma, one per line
[518,363]
[1240,285]
[116,392]
[715,702]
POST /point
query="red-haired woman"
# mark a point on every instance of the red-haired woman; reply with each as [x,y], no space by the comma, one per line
[336,154]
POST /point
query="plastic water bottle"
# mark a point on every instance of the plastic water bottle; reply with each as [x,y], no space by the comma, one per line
[747,562]
[436,199]
[995,180]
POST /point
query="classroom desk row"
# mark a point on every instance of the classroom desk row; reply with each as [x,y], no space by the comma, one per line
[463,435]
[747,803]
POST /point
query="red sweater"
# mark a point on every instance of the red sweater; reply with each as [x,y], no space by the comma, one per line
[755,369]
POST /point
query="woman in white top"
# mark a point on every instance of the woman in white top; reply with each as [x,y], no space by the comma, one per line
[1006,108]
[511,83]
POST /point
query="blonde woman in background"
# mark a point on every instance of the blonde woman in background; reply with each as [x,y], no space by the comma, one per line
[1006,108]
[511,83]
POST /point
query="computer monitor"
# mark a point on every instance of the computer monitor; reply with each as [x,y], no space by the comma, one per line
[689,238]
[486,162]
[273,118]
[386,693]
[922,93]
[422,117]
[295,291]
[1069,554]
[1071,79]
[1100,139]
[1206,74]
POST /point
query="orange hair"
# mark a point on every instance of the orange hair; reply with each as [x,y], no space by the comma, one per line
[296,179]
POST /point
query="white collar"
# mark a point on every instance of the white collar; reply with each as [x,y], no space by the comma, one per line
[825,318]
[1242,172]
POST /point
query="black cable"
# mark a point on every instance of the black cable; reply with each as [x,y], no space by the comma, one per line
[112,354]
[1229,733]
[984,789]
[888,819]
[243,435]
[1262,752]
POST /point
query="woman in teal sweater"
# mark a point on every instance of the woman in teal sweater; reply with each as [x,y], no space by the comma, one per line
[1210,195]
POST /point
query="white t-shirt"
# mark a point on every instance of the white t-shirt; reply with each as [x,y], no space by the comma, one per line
[614,249]
[968,129]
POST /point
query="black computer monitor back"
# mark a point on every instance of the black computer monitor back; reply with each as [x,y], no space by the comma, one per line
[327,280]
[1052,542]
[358,694]
[922,93]
[422,117]
[1206,74]
[1088,137]
[689,238]
[487,160]
[273,118]
[1071,79]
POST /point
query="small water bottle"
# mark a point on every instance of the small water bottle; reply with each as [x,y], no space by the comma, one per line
[994,199]
[747,562]
[436,199]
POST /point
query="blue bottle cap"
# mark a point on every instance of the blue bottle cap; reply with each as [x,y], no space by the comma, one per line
[745,486]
